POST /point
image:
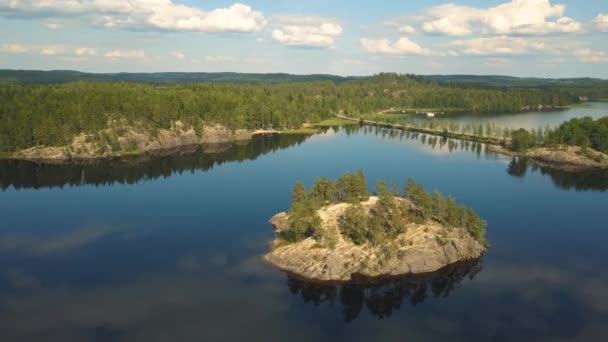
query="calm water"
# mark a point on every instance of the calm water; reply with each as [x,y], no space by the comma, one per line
[168,248]
[529,120]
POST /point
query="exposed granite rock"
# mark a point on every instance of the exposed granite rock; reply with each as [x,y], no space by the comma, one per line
[564,157]
[422,248]
[570,157]
[120,140]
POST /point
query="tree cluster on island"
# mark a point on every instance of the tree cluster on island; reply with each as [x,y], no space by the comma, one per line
[51,115]
[388,218]
[584,132]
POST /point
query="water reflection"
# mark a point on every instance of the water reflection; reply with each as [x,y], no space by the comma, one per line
[585,180]
[25,174]
[382,297]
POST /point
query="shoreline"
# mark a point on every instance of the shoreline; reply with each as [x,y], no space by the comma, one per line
[125,155]
[562,157]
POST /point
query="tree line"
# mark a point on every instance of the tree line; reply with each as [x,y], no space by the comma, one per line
[51,115]
[585,132]
[388,218]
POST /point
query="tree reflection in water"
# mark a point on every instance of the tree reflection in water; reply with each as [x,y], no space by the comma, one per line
[582,180]
[384,296]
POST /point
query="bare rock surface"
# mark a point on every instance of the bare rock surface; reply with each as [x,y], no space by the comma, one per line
[120,139]
[422,248]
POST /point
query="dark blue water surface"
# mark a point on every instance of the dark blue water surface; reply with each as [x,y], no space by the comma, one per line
[169,248]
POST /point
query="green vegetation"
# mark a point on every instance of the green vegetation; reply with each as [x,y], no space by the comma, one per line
[388,217]
[584,132]
[303,218]
[51,115]
[336,122]
[302,130]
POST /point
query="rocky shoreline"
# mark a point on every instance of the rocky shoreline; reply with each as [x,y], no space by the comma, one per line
[423,248]
[567,158]
[129,141]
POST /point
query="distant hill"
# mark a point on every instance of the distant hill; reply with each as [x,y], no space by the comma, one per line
[509,81]
[64,76]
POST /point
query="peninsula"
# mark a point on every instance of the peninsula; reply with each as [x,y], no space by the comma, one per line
[337,231]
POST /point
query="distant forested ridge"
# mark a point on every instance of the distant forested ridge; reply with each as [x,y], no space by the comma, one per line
[52,114]
[65,76]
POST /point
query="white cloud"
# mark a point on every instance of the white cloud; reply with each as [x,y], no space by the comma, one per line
[515,17]
[85,51]
[53,24]
[14,48]
[309,31]
[117,54]
[407,29]
[178,54]
[591,56]
[505,46]
[601,22]
[220,59]
[157,14]
[52,50]
[403,46]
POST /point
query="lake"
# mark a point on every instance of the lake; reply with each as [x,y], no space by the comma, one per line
[530,120]
[168,247]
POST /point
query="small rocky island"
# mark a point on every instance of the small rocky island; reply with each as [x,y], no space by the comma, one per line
[337,231]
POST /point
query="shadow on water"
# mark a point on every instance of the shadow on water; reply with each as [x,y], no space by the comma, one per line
[593,179]
[131,170]
[382,297]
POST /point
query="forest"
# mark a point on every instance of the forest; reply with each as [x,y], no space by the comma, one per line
[51,115]
[388,218]
[584,132]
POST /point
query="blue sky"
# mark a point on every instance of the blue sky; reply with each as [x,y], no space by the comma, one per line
[543,38]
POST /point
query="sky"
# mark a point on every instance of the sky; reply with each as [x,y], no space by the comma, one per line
[527,38]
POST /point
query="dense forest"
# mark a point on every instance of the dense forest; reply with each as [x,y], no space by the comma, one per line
[51,115]
[388,218]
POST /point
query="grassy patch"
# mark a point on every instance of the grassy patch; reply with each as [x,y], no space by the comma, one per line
[578,105]
[303,130]
[335,122]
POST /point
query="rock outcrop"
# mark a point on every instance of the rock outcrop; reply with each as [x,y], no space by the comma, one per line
[568,157]
[423,248]
[120,140]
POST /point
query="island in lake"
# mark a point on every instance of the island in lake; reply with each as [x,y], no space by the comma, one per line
[337,231]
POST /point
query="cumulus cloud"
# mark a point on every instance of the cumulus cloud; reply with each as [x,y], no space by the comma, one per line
[85,51]
[601,22]
[119,54]
[591,56]
[178,54]
[53,24]
[515,17]
[403,46]
[306,31]
[407,29]
[52,50]
[157,14]
[14,48]
[505,45]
